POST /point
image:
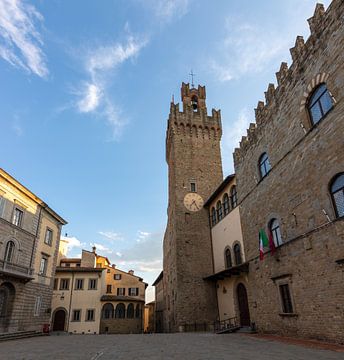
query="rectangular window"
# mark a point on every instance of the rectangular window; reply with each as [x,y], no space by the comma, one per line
[92,284]
[287,304]
[43,266]
[76,315]
[79,284]
[193,187]
[78,265]
[120,291]
[56,284]
[37,307]
[2,205]
[48,237]
[67,265]
[108,289]
[17,217]
[64,284]
[133,291]
[90,315]
[117,276]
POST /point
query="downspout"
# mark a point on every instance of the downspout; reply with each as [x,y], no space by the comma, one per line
[36,235]
[70,301]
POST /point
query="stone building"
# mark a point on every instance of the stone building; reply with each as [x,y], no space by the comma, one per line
[93,296]
[29,241]
[194,171]
[230,267]
[290,181]
[159,303]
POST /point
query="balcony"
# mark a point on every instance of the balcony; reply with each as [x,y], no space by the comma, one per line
[15,270]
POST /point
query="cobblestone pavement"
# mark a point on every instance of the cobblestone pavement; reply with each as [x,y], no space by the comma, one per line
[160,346]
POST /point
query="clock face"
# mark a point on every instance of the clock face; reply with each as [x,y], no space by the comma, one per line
[193,202]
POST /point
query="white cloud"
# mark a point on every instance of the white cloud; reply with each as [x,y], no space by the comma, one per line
[73,242]
[100,64]
[101,248]
[20,42]
[111,235]
[168,10]
[233,133]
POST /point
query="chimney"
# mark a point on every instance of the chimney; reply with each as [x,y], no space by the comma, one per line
[131,272]
[94,249]
[113,266]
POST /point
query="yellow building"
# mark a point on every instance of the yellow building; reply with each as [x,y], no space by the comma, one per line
[29,242]
[230,268]
[93,296]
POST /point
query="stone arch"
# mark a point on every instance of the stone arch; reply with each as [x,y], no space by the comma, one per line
[237,245]
[107,311]
[138,311]
[130,311]
[15,257]
[227,254]
[59,318]
[120,311]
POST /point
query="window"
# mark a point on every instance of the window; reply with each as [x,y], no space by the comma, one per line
[92,284]
[79,284]
[276,232]
[37,307]
[138,311]
[193,187]
[17,217]
[120,291]
[287,305]
[107,311]
[120,311]
[108,289]
[78,265]
[225,204]
[234,197]
[76,315]
[133,291]
[228,258]
[64,284]
[117,277]
[43,265]
[337,193]
[56,284]
[90,315]
[219,211]
[213,216]
[264,165]
[2,206]
[67,265]
[320,103]
[48,237]
[130,311]
[9,251]
[237,254]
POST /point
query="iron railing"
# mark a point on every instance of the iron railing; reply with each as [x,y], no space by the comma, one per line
[229,324]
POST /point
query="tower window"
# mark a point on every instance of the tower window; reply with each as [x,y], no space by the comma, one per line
[337,192]
[193,187]
[234,197]
[194,103]
[320,103]
[276,232]
[213,216]
[228,258]
[219,211]
[237,254]
[225,204]
[264,165]
[287,305]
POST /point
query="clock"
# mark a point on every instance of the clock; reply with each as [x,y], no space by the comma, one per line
[193,202]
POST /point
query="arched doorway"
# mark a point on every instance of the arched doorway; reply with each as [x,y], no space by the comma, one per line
[59,320]
[243,305]
[7,295]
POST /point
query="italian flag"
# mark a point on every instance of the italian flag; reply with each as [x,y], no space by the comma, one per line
[263,242]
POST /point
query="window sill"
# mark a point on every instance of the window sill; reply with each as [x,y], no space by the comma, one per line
[288,314]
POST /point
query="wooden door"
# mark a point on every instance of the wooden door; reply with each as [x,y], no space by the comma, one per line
[59,320]
[243,306]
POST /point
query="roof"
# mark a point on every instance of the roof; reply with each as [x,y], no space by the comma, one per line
[234,270]
[161,275]
[220,188]
[120,298]
[78,269]
[70,260]
[31,195]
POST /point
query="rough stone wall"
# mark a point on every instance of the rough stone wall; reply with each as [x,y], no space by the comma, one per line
[193,153]
[304,159]
[121,326]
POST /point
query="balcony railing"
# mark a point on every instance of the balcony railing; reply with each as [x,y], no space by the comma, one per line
[15,270]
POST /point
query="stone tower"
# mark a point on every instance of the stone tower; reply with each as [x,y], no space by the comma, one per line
[195,170]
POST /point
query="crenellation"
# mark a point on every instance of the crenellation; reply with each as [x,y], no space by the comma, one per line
[282,74]
[270,94]
[298,50]
[316,22]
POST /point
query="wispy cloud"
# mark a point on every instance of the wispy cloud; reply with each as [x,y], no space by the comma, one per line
[167,10]
[111,235]
[101,248]
[73,242]
[20,41]
[100,64]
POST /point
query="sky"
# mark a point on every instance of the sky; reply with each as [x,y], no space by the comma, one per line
[85,88]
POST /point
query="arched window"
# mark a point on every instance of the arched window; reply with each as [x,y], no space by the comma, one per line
[264,165]
[130,311]
[194,103]
[337,193]
[225,204]
[107,311]
[138,311]
[213,216]
[276,232]
[237,254]
[219,211]
[228,258]
[120,311]
[234,197]
[319,104]
[9,251]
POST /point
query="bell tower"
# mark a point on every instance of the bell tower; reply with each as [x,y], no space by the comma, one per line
[194,172]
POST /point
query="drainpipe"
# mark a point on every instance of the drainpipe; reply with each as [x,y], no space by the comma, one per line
[70,301]
[36,235]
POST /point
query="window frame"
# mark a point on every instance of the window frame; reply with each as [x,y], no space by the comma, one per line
[234,196]
[332,193]
[90,282]
[226,252]
[108,288]
[18,221]
[226,204]
[7,250]
[76,311]
[88,312]
[236,246]
[263,160]
[44,260]
[219,210]
[50,240]
[77,282]
[277,241]
[289,305]
[64,281]
[136,292]
[119,290]
[117,276]
[311,103]
[213,216]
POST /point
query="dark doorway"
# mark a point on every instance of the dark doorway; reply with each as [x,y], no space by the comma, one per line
[7,295]
[59,320]
[243,306]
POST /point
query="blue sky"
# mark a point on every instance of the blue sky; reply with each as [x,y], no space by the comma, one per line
[85,88]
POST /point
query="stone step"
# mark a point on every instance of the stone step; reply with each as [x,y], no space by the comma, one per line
[20,335]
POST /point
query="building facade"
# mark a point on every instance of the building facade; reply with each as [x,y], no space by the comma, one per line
[230,267]
[194,171]
[29,241]
[290,181]
[91,296]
